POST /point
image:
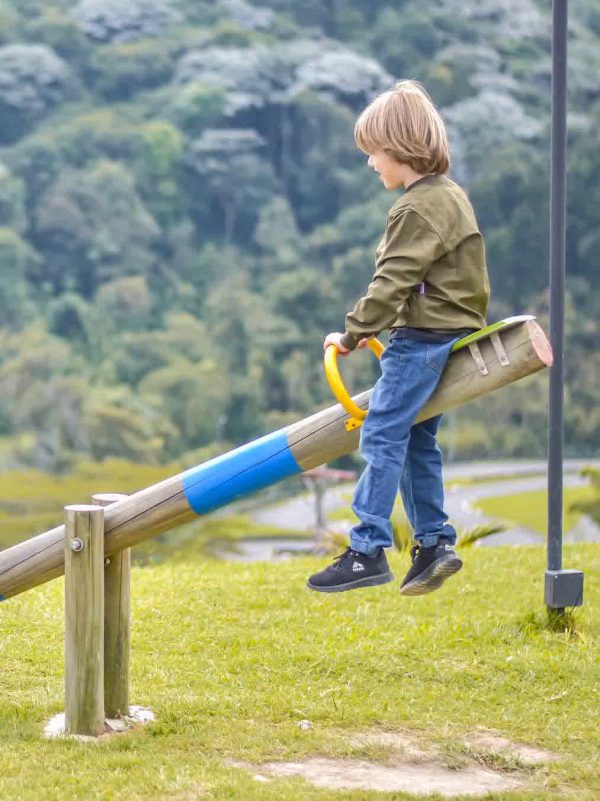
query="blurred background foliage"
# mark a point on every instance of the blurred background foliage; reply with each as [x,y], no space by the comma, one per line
[184,214]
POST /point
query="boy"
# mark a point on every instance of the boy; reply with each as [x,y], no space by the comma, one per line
[430,288]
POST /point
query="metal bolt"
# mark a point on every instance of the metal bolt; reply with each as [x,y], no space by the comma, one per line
[76,545]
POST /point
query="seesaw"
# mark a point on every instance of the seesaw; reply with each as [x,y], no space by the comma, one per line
[480,363]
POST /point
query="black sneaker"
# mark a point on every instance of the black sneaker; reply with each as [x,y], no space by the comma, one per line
[352,569]
[430,568]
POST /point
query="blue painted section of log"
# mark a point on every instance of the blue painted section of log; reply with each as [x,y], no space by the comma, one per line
[240,472]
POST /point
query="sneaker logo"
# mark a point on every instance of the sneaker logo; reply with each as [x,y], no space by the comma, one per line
[448,547]
[357,567]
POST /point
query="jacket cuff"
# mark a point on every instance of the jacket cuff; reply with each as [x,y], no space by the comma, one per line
[348,341]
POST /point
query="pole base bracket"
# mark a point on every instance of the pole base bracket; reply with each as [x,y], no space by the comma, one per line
[563,588]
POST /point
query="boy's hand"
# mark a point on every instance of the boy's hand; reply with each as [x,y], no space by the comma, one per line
[364,343]
[335,340]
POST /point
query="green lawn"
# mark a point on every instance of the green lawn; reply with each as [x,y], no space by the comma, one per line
[530,508]
[231,657]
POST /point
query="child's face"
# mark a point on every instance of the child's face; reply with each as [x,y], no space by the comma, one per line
[391,172]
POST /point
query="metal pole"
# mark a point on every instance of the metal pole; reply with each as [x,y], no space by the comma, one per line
[562,588]
[557,280]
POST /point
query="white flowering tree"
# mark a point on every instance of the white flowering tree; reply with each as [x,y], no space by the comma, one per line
[124,20]
[33,80]
[264,75]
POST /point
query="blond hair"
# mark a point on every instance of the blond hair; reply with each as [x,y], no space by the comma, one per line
[404,123]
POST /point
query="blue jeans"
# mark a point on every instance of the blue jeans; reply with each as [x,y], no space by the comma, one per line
[401,454]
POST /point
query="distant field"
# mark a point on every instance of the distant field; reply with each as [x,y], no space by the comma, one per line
[529,509]
[32,501]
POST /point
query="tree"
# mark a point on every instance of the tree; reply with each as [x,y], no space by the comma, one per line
[158,161]
[142,353]
[124,20]
[404,36]
[246,74]
[339,73]
[247,15]
[37,161]
[84,138]
[124,304]
[56,29]
[233,175]
[320,155]
[43,385]
[92,226]
[16,258]
[120,424]
[484,123]
[120,70]
[261,75]
[33,80]
[194,106]
[68,317]
[193,395]
[277,235]
[511,201]
[9,21]
[307,297]
[12,201]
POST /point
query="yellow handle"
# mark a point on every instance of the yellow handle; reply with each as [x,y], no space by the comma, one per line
[357,415]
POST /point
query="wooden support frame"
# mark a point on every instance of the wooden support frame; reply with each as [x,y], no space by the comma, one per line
[84,620]
[117,622]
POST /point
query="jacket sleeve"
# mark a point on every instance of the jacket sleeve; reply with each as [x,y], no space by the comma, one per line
[410,246]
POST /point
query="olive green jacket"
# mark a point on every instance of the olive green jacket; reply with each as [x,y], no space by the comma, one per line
[431,239]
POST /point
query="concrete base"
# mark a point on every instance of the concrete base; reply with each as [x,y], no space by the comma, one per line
[138,716]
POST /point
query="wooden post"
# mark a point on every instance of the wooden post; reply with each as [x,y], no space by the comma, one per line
[117,572]
[84,616]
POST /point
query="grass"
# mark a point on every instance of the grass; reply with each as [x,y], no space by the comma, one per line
[231,657]
[529,509]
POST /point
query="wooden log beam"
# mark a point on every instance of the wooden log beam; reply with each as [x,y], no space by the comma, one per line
[313,441]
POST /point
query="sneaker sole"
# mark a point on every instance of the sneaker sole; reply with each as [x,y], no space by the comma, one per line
[432,578]
[371,581]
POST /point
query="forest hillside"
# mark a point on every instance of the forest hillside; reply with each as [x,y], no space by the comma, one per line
[184,213]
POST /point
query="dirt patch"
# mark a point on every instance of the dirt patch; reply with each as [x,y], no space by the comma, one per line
[491,742]
[420,778]
[410,766]
[486,742]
